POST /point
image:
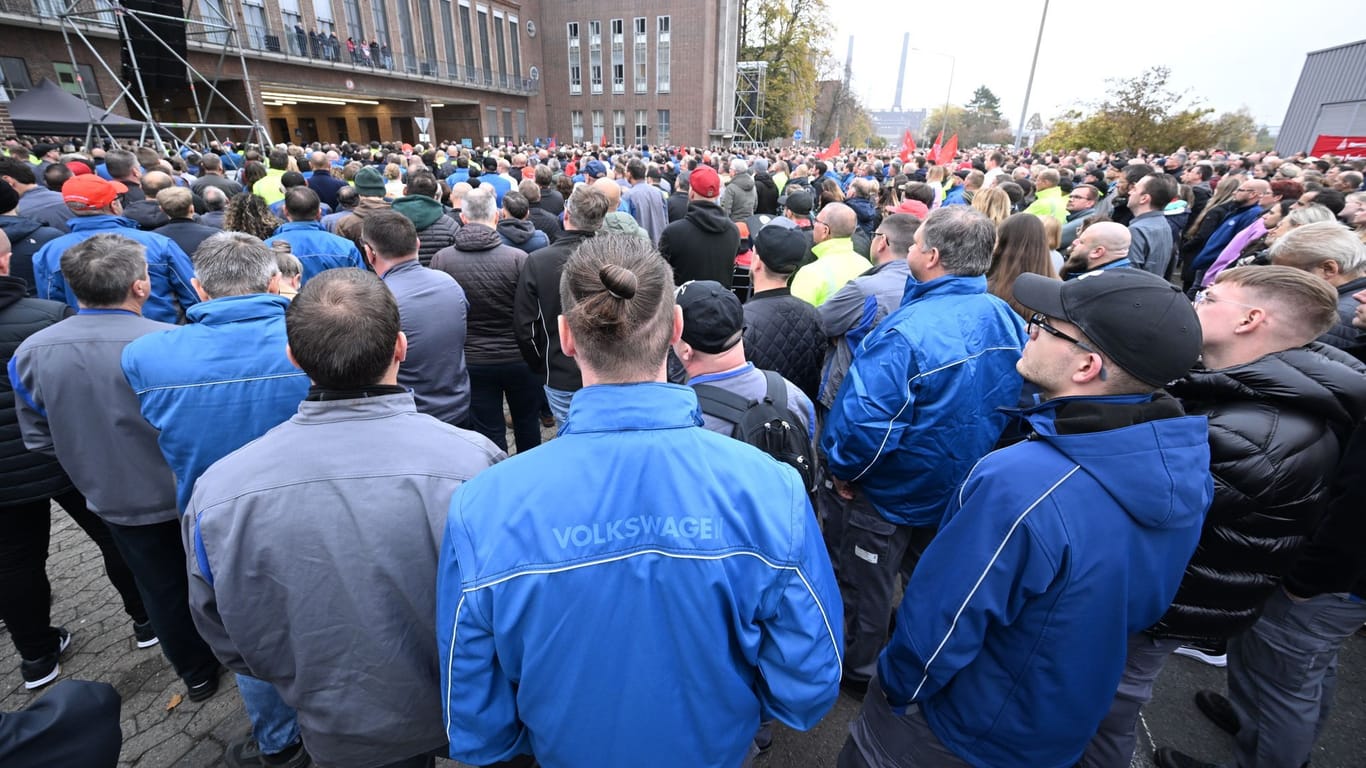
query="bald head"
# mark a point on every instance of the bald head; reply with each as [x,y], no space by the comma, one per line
[1097,245]
[155,181]
[839,218]
[611,189]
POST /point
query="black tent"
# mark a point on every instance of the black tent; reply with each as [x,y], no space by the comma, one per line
[48,110]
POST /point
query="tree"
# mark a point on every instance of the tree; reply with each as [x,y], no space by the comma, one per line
[790,35]
[1236,131]
[984,102]
[1141,113]
[840,112]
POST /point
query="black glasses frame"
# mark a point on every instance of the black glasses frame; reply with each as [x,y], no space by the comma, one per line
[1040,320]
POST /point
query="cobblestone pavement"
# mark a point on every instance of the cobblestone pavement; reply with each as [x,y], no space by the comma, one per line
[195,735]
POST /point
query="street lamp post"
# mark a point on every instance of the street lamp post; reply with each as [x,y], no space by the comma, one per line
[1019,134]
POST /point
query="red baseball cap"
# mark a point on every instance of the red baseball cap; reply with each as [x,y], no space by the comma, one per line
[705,182]
[78,168]
[91,191]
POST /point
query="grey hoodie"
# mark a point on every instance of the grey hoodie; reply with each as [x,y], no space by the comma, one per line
[739,198]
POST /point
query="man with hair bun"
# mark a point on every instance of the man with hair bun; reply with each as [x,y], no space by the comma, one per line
[344,622]
[599,568]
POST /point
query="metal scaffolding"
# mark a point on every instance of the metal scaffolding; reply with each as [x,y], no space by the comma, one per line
[222,33]
[751,77]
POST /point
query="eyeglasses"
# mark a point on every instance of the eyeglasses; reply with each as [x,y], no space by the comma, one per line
[1040,321]
[876,235]
[1076,196]
[1204,297]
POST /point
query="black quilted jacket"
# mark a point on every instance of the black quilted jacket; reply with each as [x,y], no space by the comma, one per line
[783,334]
[1344,335]
[1277,427]
[24,476]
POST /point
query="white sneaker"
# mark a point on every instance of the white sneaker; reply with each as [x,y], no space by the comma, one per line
[1203,655]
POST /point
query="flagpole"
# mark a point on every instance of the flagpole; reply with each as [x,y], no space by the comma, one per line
[1019,134]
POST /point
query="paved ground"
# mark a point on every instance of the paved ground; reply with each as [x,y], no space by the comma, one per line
[194,735]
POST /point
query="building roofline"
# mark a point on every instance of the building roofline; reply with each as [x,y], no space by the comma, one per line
[1335,47]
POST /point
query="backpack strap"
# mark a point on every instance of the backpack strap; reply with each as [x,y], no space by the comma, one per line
[777,391]
[721,403]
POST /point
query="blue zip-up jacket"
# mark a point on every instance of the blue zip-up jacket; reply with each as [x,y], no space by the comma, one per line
[1014,631]
[920,402]
[668,581]
[216,384]
[1224,235]
[167,265]
[316,248]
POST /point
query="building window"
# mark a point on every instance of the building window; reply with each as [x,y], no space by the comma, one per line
[576,126]
[507,125]
[514,30]
[662,56]
[595,56]
[642,51]
[499,39]
[575,68]
[355,28]
[662,135]
[618,57]
[619,126]
[294,27]
[599,132]
[521,125]
[257,30]
[485,55]
[642,127]
[492,127]
[405,36]
[14,72]
[448,32]
[467,38]
[428,31]
[381,14]
[72,79]
[213,12]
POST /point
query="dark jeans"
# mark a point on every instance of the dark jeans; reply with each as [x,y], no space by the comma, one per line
[488,385]
[25,594]
[154,552]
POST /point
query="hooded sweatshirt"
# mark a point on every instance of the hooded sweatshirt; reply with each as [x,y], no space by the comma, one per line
[740,198]
[435,230]
[702,245]
[1053,552]
[521,233]
[26,236]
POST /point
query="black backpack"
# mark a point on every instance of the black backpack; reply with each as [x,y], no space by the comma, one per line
[767,424]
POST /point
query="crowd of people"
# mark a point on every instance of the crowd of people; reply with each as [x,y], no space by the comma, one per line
[979,442]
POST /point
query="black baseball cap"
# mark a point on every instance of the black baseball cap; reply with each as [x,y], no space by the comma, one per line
[1140,321]
[713,319]
[781,249]
[799,202]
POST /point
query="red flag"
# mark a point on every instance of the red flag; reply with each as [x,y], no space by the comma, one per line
[950,149]
[832,150]
[934,150]
[907,146]
[604,140]
[552,142]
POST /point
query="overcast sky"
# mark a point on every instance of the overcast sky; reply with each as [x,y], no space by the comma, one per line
[1229,53]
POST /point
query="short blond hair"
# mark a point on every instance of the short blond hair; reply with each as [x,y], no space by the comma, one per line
[1308,302]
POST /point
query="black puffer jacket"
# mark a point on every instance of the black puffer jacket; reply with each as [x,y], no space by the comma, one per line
[488,271]
[26,236]
[537,308]
[1344,335]
[702,245]
[783,334]
[24,476]
[1277,428]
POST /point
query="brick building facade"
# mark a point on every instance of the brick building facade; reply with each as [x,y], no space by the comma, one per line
[476,69]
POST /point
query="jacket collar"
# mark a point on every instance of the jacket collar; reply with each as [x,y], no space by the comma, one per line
[632,407]
[295,226]
[374,407]
[948,285]
[411,265]
[99,221]
[235,309]
[833,245]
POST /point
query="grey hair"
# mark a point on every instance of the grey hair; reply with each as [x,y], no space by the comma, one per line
[1310,214]
[480,205]
[100,269]
[738,166]
[234,264]
[215,199]
[1312,244]
[964,237]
